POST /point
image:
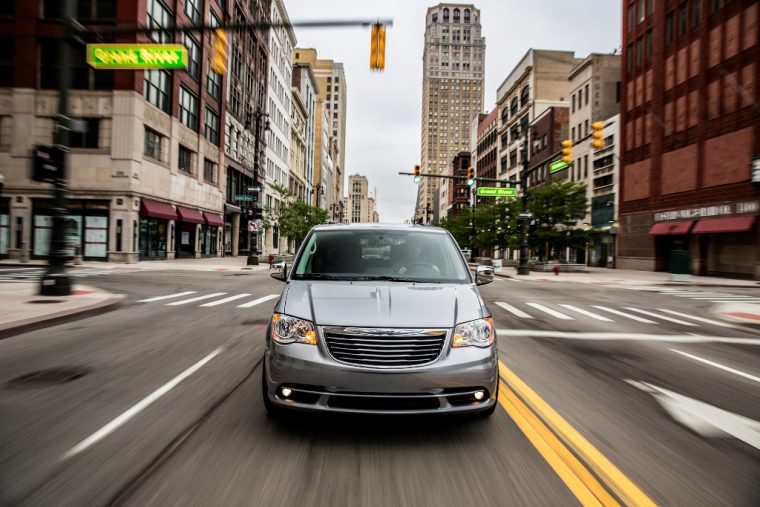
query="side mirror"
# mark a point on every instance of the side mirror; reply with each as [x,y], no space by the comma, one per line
[483,275]
[279,271]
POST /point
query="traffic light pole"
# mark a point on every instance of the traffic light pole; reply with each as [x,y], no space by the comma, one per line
[56,281]
[523,268]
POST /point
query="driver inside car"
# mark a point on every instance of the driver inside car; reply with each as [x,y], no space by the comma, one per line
[410,256]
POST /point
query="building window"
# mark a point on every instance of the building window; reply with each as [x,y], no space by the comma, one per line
[51,9]
[96,10]
[513,107]
[587,94]
[214,84]
[696,12]
[585,128]
[650,7]
[152,147]
[456,16]
[650,45]
[157,88]
[188,108]
[159,16]
[7,48]
[211,129]
[714,6]
[445,15]
[512,158]
[639,51]
[524,96]
[629,57]
[642,14]
[573,103]
[435,17]
[669,28]
[192,11]
[631,17]
[209,170]
[683,19]
[185,160]
[193,56]
[573,137]
[89,138]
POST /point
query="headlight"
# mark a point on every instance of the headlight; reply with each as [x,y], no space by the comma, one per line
[287,329]
[478,333]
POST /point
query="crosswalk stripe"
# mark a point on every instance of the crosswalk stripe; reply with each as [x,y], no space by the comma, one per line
[587,313]
[699,319]
[657,316]
[199,298]
[225,300]
[160,298]
[258,301]
[722,296]
[551,312]
[626,315]
[733,301]
[514,311]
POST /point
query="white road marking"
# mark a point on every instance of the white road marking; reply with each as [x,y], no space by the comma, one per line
[159,298]
[626,315]
[551,312]
[703,418]
[199,298]
[718,365]
[258,301]
[700,319]
[644,337]
[225,300]
[138,407]
[657,316]
[36,270]
[587,313]
[733,300]
[514,311]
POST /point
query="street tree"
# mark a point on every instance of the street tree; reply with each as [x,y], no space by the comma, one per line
[293,217]
[557,207]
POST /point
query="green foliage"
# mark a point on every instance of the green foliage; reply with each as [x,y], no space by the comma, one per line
[293,217]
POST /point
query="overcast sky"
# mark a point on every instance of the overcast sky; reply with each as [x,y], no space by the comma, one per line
[384,108]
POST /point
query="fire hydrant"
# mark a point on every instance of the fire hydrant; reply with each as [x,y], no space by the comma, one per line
[556,270]
[271,260]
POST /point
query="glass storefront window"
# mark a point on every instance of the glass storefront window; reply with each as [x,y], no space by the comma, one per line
[152,238]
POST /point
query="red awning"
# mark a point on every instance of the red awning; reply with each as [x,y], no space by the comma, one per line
[155,209]
[725,224]
[213,220]
[189,215]
[667,228]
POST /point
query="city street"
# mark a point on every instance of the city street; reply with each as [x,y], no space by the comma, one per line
[159,403]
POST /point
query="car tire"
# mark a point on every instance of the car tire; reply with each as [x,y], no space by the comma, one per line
[272,409]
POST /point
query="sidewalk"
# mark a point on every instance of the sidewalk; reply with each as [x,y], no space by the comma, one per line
[22,309]
[206,264]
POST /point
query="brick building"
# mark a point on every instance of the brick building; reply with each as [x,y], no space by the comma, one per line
[487,147]
[458,189]
[689,124]
[548,131]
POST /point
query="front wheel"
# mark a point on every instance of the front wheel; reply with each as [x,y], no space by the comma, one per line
[272,409]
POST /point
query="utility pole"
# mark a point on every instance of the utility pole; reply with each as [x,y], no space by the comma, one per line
[56,282]
[522,268]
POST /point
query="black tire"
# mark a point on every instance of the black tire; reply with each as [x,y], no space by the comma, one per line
[272,409]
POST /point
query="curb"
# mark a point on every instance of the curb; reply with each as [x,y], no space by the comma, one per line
[31,324]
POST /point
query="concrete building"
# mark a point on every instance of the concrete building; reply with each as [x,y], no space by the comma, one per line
[145,175]
[689,130]
[604,187]
[282,40]
[298,144]
[452,93]
[331,89]
[538,82]
[359,207]
[485,154]
[547,132]
[306,84]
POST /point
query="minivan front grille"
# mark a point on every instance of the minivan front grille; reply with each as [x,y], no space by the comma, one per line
[384,348]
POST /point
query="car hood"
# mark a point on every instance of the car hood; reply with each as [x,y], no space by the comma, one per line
[382,304]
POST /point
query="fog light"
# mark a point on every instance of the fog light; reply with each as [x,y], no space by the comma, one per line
[285,392]
[479,395]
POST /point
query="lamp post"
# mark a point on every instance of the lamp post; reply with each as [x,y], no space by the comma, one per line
[259,121]
[522,268]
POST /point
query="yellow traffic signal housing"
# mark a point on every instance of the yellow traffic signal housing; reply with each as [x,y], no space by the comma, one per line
[377,47]
[219,52]
[470,176]
[417,174]
[598,135]
[567,151]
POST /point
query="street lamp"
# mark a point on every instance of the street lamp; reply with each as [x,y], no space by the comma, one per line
[522,268]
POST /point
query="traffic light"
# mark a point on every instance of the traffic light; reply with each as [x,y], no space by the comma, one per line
[377,47]
[417,174]
[567,151]
[598,134]
[219,52]
[470,176]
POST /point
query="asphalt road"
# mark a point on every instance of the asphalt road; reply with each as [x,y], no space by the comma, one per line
[158,403]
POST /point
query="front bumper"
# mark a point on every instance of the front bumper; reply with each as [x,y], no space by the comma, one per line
[318,382]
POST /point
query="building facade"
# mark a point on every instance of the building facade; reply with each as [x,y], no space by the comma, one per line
[486,153]
[689,131]
[306,84]
[604,187]
[458,189]
[145,165]
[547,131]
[452,92]
[298,144]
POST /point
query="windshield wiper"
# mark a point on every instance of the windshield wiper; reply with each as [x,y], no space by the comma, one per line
[392,279]
[317,276]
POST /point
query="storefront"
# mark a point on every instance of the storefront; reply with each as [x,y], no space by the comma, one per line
[210,234]
[155,218]
[185,236]
[86,227]
[5,229]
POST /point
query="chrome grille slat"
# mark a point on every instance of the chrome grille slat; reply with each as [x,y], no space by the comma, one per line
[384,348]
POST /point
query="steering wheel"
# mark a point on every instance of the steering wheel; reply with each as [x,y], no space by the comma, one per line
[427,267]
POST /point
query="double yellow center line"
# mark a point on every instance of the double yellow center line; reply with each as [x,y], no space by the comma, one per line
[589,475]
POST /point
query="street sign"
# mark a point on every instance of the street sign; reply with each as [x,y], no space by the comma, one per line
[756,169]
[48,163]
[557,165]
[137,56]
[496,192]
[525,214]
[248,198]
[254,189]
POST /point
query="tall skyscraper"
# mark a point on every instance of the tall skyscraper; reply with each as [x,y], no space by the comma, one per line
[452,91]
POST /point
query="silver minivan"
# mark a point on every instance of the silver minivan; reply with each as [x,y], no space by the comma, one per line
[380,319]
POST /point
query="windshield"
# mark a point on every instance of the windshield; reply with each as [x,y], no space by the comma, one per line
[381,255]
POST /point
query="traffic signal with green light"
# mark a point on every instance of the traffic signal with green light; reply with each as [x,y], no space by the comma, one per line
[219,52]
[598,135]
[470,176]
[417,174]
[567,151]
[377,47]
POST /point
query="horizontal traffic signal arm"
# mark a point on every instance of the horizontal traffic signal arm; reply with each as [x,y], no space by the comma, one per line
[489,180]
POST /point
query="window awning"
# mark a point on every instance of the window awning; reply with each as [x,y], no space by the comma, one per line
[155,209]
[669,228]
[724,224]
[213,220]
[189,215]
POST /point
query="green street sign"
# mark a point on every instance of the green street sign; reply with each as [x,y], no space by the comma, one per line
[244,198]
[557,165]
[137,56]
[496,192]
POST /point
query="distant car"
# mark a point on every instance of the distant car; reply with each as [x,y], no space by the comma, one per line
[402,332]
